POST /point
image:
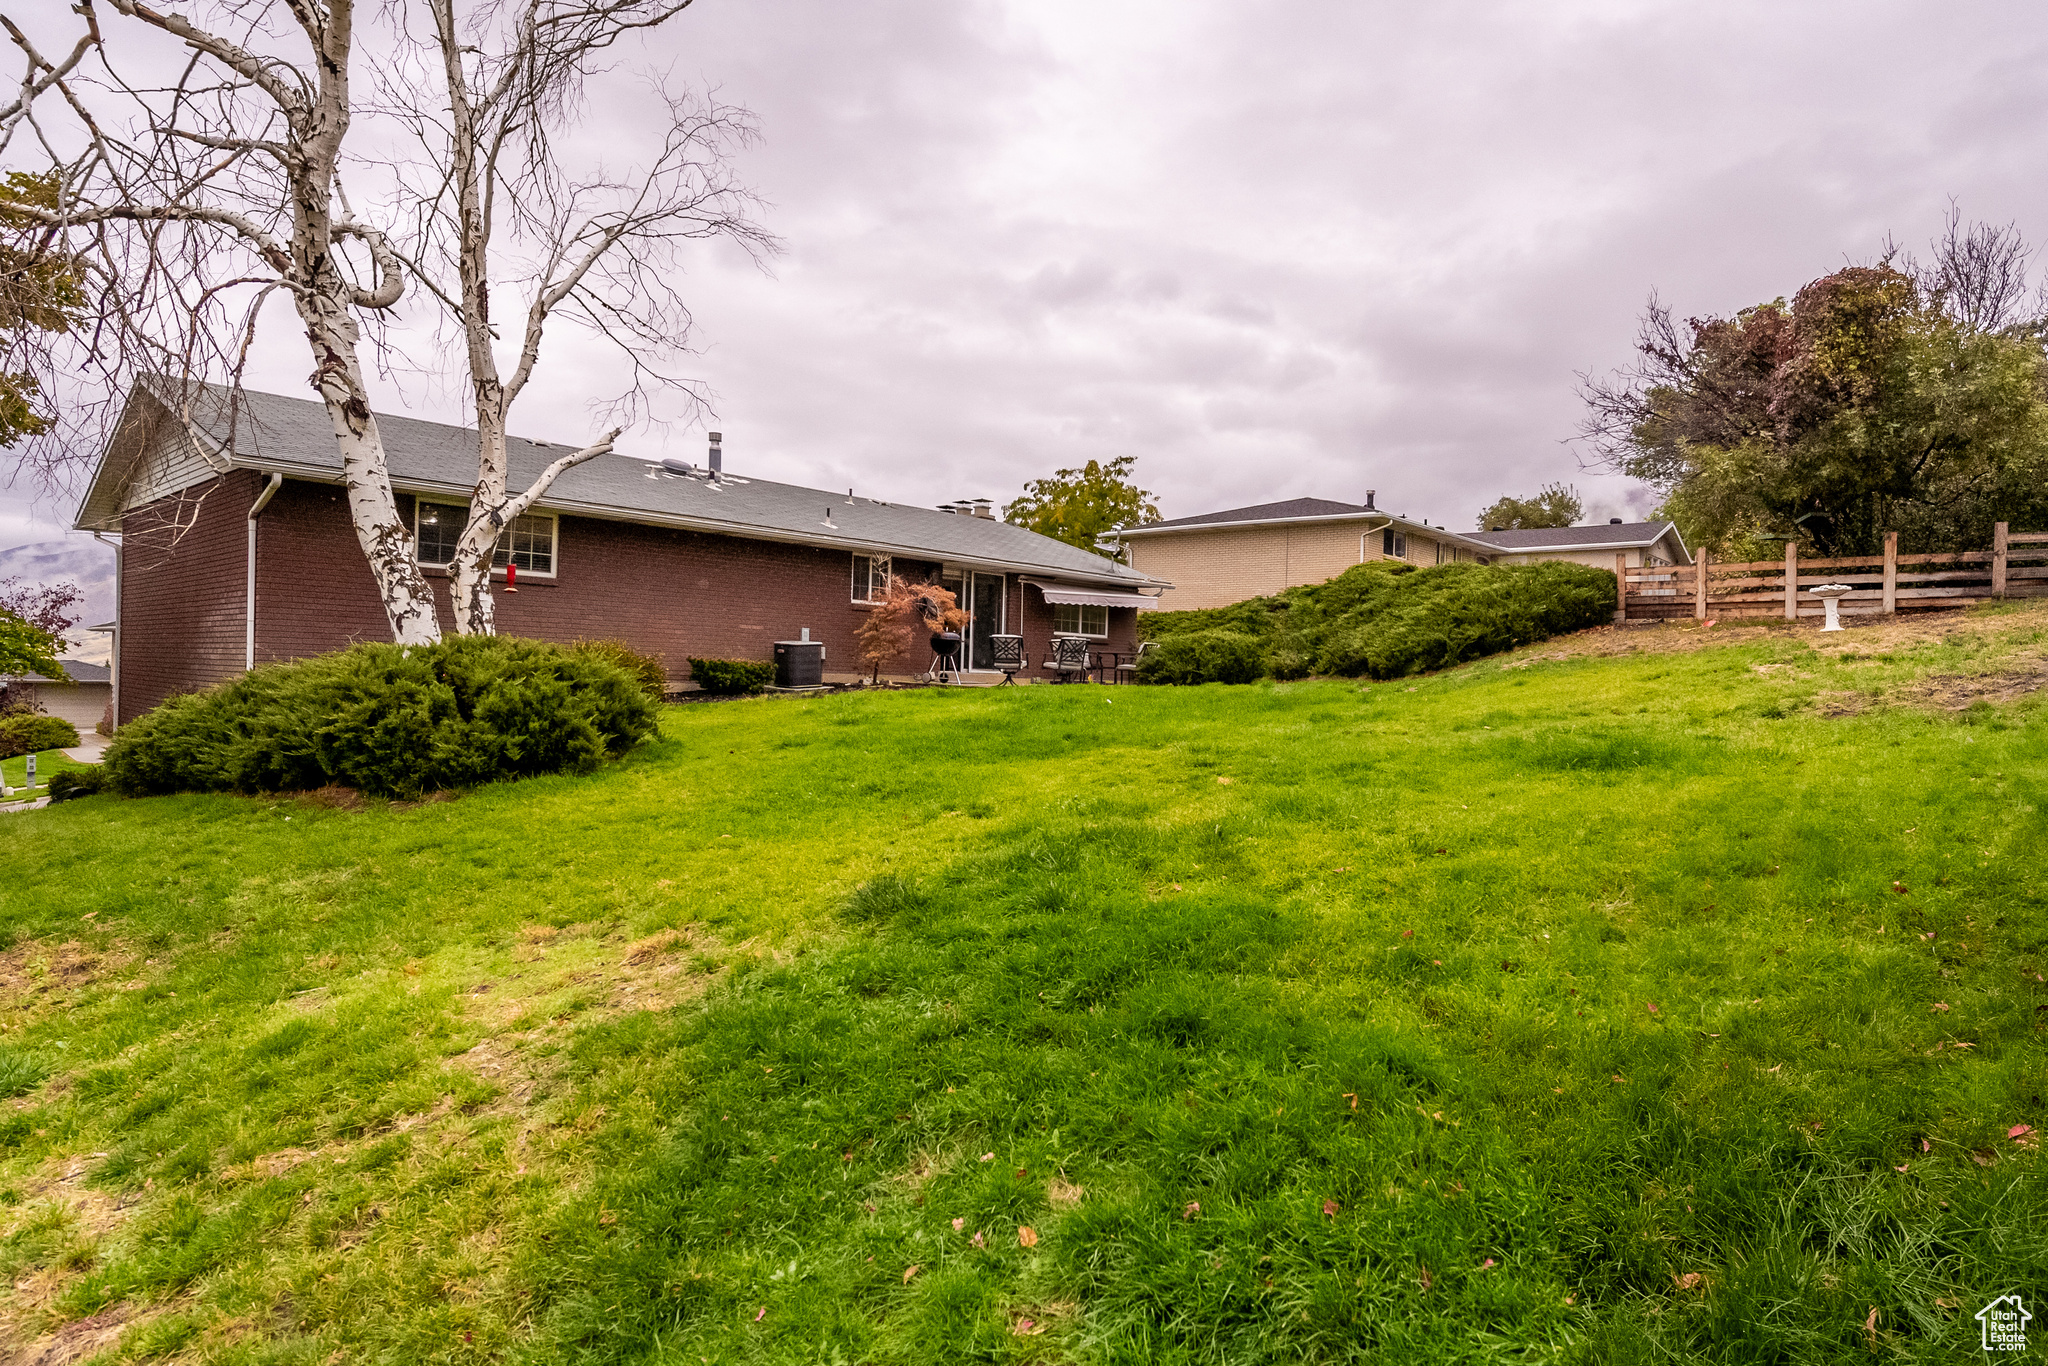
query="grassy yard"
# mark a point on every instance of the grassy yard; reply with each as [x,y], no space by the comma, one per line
[1676,1005]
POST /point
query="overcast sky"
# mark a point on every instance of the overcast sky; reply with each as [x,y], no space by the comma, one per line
[1274,250]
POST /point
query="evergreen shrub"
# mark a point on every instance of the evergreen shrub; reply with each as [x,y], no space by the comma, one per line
[1213,656]
[1387,620]
[72,783]
[648,670]
[389,720]
[31,732]
[732,677]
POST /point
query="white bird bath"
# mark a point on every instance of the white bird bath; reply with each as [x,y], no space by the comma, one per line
[1832,594]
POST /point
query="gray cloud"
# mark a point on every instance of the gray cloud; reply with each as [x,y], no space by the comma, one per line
[1295,248]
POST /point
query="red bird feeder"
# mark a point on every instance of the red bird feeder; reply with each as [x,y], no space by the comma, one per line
[511,577]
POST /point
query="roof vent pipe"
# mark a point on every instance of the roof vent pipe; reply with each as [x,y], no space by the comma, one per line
[1614,521]
[1371,494]
[717,455]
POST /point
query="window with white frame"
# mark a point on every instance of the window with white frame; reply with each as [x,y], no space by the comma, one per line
[529,542]
[870,578]
[1080,619]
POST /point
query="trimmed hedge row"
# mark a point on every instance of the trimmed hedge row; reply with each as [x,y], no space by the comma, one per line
[1379,620]
[390,720]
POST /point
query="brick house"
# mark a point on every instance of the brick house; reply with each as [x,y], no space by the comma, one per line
[1219,558]
[235,548]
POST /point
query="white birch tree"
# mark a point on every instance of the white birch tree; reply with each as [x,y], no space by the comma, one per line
[225,183]
[494,209]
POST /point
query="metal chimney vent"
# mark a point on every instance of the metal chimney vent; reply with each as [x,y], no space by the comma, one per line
[717,456]
[1371,494]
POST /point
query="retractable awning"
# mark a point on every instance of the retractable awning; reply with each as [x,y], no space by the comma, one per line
[1095,597]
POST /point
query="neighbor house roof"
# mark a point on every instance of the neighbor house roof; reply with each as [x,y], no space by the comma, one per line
[1611,536]
[80,673]
[1296,510]
[294,437]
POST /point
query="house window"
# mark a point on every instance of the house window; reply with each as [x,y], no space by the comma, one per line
[1079,619]
[870,578]
[1394,544]
[529,542]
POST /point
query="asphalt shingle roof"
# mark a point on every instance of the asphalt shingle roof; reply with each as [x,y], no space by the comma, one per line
[1593,537]
[293,436]
[1270,512]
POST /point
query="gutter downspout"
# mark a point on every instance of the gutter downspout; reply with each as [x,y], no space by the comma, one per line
[114,657]
[249,616]
[1369,531]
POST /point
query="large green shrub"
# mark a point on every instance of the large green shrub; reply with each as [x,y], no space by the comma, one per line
[31,732]
[1213,656]
[389,720]
[732,677]
[69,784]
[648,670]
[1386,620]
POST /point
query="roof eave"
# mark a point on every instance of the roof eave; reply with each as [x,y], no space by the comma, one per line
[1384,519]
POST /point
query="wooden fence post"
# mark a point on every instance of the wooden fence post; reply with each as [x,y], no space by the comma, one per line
[1621,588]
[1791,580]
[1699,585]
[2000,544]
[1891,572]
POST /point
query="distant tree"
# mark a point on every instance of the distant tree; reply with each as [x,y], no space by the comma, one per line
[1556,505]
[28,649]
[905,610]
[1077,506]
[1882,399]
[42,292]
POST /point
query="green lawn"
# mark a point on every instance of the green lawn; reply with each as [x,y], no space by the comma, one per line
[1591,1010]
[48,763]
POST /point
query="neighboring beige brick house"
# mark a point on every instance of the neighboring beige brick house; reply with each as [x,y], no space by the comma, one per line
[1645,544]
[1223,557]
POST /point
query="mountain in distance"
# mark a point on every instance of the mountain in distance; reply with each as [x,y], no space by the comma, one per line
[85,562]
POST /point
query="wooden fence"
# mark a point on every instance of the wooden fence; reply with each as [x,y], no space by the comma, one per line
[2016,566]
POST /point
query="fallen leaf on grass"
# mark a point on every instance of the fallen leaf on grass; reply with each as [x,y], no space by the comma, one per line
[1352,1096]
[764,1312]
[1027,1236]
[988,1157]
[1407,934]
[1025,1328]
[1651,1006]
[1689,1281]
[1427,1282]
[1330,1208]
[1925,1146]
[2019,1131]
[1941,1006]
[1870,1328]
[1226,781]
[959,1226]
[1900,888]
[1901,1168]
[1488,1265]
[980,1238]
[1983,1157]
[908,1272]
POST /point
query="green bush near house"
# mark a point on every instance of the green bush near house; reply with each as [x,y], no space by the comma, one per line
[389,720]
[649,670]
[732,677]
[1387,620]
[29,732]
[1214,656]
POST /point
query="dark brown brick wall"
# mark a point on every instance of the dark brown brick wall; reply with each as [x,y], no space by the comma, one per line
[184,577]
[665,592]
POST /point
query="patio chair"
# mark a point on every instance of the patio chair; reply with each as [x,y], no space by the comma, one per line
[1128,669]
[1069,658]
[1007,656]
